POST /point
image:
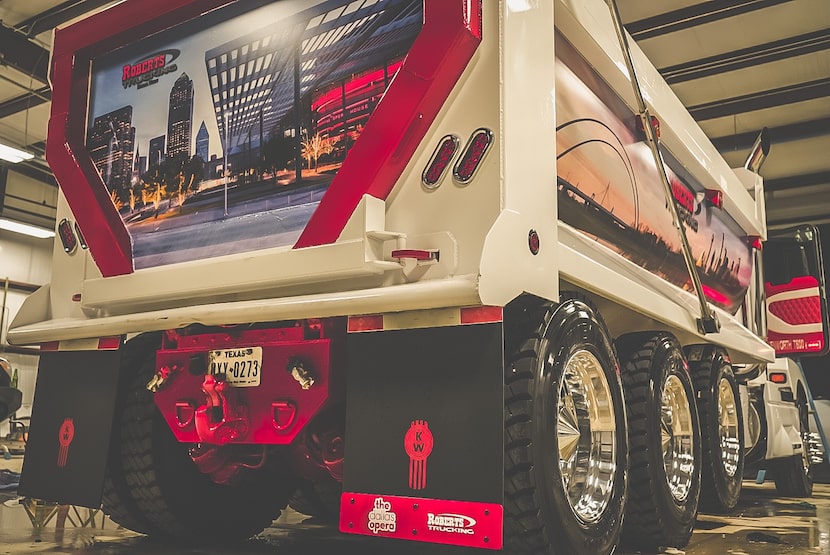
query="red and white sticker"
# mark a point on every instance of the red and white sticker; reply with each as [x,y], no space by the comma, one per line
[462,523]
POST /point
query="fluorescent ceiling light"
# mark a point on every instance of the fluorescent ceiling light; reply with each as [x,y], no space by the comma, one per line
[14,155]
[26,229]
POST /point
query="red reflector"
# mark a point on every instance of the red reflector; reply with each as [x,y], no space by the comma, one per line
[441,158]
[109,343]
[715,197]
[778,377]
[50,346]
[474,152]
[417,254]
[533,242]
[67,235]
[755,242]
[481,314]
[369,322]
[76,298]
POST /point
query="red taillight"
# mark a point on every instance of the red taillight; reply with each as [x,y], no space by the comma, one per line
[439,162]
[474,152]
[777,377]
[80,235]
[67,235]
[421,255]
[715,197]
[754,242]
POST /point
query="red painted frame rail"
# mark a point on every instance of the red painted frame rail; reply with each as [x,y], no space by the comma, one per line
[450,36]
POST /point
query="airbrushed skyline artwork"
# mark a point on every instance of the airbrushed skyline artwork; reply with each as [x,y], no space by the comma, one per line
[221,135]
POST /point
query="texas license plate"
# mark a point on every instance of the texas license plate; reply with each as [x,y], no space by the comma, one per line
[241,367]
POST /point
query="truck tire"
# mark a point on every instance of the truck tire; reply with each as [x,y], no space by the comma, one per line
[565,465]
[164,494]
[794,475]
[663,442]
[721,430]
[318,499]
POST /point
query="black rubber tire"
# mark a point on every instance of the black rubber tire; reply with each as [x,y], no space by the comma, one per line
[167,496]
[654,518]
[318,499]
[791,477]
[539,338]
[116,500]
[720,488]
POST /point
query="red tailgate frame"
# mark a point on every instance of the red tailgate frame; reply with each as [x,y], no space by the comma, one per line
[448,39]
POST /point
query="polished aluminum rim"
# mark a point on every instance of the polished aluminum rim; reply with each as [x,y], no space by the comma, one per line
[805,436]
[730,444]
[586,435]
[677,438]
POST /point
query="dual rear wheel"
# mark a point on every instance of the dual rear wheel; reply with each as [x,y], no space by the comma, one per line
[594,449]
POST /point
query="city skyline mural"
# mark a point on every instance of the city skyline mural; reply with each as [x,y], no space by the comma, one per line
[210,136]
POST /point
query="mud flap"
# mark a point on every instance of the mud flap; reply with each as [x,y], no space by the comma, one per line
[69,436]
[424,429]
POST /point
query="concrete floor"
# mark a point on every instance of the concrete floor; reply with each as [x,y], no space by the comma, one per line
[763,524]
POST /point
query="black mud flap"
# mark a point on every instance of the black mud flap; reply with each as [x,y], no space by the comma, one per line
[424,435]
[69,436]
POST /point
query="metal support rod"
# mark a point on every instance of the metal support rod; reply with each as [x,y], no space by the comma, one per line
[708,322]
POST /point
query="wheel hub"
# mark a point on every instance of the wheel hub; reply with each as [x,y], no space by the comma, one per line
[677,439]
[728,427]
[586,436]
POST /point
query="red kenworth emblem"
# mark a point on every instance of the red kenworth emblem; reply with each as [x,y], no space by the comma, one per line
[65,436]
[418,443]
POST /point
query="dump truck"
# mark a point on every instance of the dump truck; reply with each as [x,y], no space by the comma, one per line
[453,271]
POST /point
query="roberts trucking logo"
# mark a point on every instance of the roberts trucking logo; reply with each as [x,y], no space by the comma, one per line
[381,517]
[451,523]
[147,71]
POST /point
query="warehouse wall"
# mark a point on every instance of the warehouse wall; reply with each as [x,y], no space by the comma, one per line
[27,261]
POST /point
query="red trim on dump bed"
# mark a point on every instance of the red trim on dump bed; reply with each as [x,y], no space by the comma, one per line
[449,37]
[445,45]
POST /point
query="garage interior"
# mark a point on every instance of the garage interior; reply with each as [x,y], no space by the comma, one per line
[738,66]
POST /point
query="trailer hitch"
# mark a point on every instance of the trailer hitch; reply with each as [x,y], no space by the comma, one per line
[224,418]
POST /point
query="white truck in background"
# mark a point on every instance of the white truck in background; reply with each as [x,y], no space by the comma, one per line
[459,271]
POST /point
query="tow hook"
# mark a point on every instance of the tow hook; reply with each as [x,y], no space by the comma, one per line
[298,371]
[159,379]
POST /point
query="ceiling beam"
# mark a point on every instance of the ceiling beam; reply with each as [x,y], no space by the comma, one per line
[692,16]
[23,55]
[35,171]
[748,57]
[781,134]
[796,181]
[797,92]
[59,15]
[24,102]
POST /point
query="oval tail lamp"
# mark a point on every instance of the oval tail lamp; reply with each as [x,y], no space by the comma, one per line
[68,238]
[478,145]
[440,160]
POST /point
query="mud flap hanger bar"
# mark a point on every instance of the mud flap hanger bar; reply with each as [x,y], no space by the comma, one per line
[707,322]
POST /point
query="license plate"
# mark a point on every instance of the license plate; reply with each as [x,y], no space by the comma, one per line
[242,367]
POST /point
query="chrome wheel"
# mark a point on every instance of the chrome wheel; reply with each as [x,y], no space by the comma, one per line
[728,428]
[677,439]
[586,436]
